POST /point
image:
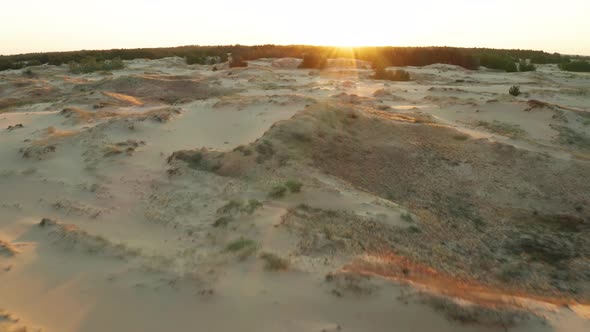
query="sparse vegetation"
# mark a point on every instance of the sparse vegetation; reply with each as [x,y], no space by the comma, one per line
[514,90]
[294,186]
[571,137]
[274,262]
[503,128]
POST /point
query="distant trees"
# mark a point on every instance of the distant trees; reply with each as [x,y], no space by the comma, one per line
[577,66]
[313,56]
[90,64]
[501,62]
[237,61]
[314,61]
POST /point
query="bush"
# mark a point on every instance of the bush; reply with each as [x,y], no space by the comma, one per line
[514,90]
[314,61]
[240,244]
[524,66]
[501,62]
[294,186]
[577,66]
[277,192]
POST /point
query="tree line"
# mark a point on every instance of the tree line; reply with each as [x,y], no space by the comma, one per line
[470,58]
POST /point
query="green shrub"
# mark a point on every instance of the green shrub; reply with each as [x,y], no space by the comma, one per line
[251,206]
[222,221]
[407,217]
[240,244]
[277,191]
[577,66]
[294,186]
[524,66]
[514,90]
[501,62]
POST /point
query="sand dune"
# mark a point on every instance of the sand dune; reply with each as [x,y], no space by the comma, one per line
[173,197]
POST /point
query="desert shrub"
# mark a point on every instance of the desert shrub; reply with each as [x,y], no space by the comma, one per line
[277,192]
[294,186]
[222,221]
[314,61]
[274,262]
[251,206]
[230,207]
[524,66]
[514,90]
[577,66]
[240,244]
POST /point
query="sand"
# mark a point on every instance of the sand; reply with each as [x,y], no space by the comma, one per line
[138,200]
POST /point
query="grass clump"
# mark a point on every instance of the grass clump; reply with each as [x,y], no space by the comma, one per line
[274,262]
[240,244]
[294,186]
[277,191]
[229,207]
[251,206]
[222,221]
[514,90]
[503,128]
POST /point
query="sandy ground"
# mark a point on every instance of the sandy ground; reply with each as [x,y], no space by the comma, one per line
[138,200]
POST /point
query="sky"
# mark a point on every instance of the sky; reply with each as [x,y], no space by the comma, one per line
[63,25]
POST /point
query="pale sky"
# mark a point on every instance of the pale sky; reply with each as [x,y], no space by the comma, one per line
[61,25]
